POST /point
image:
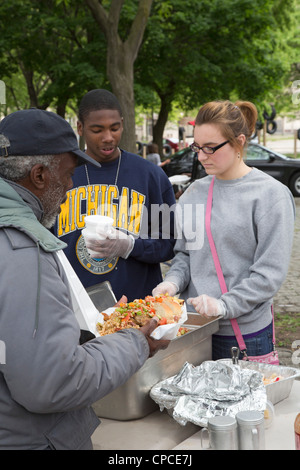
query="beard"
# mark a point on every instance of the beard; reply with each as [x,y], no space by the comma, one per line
[51,201]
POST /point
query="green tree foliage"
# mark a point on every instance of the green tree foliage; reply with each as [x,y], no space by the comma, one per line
[185,52]
[196,51]
[55,46]
[288,98]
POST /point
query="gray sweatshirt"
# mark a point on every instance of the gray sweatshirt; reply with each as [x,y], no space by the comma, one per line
[252,224]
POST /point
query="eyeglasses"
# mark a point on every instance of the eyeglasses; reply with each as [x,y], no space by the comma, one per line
[208,150]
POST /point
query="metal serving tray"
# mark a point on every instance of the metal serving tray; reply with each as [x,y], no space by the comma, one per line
[276,391]
[132,400]
[102,295]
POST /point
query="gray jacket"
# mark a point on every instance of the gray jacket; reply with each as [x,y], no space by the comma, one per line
[48,382]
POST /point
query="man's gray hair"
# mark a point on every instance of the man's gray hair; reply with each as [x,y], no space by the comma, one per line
[18,167]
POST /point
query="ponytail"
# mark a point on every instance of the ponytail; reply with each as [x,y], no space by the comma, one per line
[249,112]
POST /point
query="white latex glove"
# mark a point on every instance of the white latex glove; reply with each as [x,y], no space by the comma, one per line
[165,287]
[117,243]
[207,306]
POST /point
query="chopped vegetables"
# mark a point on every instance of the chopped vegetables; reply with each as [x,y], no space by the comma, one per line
[272,379]
[135,314]
[182,331]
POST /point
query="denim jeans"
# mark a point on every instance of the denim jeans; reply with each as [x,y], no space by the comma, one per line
[256,346]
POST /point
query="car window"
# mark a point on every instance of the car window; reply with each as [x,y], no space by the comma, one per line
[183,155]
[188,157]
[257,153]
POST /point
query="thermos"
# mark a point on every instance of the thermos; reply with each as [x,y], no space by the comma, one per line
[251,431]
[222,432]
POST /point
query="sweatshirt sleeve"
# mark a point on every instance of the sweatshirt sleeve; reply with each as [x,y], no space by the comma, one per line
[156,242]
[180,271]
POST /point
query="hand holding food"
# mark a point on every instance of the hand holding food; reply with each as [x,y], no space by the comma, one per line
[154,344]
[165,287]
[207,306]
[122,300]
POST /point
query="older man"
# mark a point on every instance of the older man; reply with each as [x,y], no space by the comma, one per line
[48,381]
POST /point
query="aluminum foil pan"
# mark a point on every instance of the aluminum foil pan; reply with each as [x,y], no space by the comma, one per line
[276,391]
[214,388]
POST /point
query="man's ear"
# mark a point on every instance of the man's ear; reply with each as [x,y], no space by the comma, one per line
[79,128]
[39,176]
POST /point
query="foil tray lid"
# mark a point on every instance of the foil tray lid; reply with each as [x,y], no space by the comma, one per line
[198,393]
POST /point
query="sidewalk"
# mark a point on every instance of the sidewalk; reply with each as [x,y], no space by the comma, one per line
[288,297]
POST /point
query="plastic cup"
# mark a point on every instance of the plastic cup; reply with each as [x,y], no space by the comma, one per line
[96,227]
[99,224]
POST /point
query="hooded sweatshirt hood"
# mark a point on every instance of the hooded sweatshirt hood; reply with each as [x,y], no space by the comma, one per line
[19,208]
[21,212]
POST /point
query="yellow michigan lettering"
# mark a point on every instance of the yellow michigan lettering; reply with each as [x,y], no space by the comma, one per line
[136,210]
[126,209]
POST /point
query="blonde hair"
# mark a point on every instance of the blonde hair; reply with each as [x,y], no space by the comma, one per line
[233,119]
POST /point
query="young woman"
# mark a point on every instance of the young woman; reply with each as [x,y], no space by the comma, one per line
[252,222]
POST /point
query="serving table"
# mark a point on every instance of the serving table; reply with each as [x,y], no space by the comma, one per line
[159,431]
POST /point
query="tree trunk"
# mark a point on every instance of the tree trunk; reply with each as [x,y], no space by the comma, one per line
[165,108]
[61,108]
[120,75]
[121,56]
[28,75]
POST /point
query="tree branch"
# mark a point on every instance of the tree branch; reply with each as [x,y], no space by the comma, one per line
[138,27]
[100,15]
[114,14]
[12,92]
[109,22]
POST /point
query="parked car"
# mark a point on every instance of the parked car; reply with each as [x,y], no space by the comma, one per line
[169,146]
[281,167]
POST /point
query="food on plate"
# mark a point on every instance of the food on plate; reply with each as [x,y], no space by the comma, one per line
[182,331]
[272,379]
[135,314]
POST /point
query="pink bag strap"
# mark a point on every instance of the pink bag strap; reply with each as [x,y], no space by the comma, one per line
[222,282]
[211,240]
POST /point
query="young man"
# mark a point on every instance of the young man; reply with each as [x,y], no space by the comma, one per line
[134,192]
[48,381]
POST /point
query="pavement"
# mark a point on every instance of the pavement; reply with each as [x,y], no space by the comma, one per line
[287,299]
